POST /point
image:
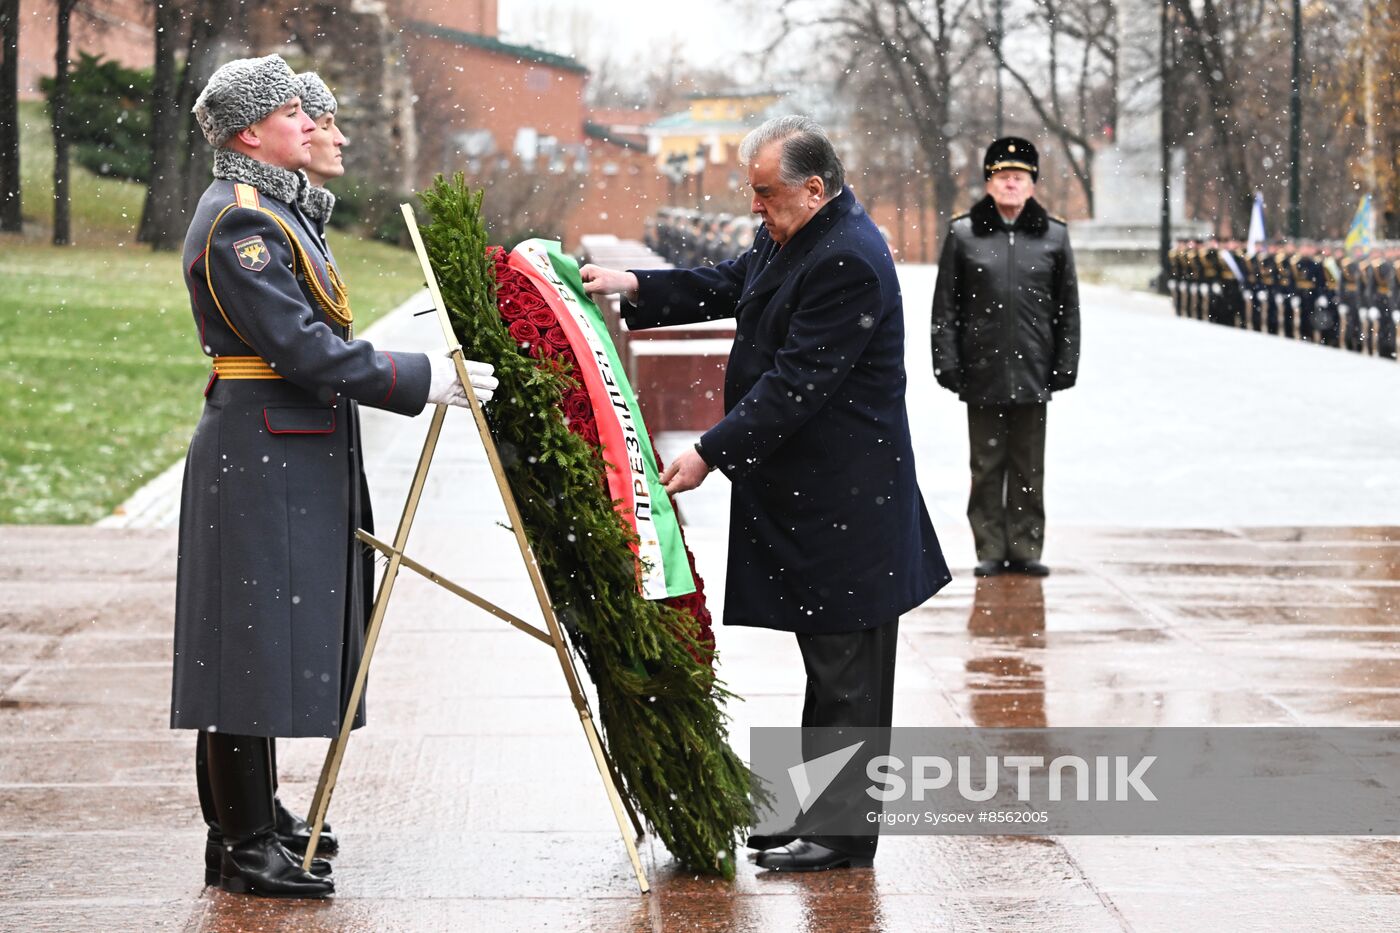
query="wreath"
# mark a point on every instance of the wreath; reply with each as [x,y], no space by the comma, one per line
[661,708]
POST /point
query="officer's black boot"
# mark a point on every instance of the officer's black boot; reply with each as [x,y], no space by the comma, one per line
[253,860]
[214,840]
[294,832]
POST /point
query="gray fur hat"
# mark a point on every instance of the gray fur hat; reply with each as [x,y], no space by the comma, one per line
[316,99]
[241,93]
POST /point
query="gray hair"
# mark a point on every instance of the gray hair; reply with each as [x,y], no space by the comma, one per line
[806,151]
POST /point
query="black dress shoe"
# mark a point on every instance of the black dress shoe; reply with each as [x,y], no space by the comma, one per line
[264,867]
[214,858]
[295,832]
[1030,568]
[769,841]
[989,568]
[802,855]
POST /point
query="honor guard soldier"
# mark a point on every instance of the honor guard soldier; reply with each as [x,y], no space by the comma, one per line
[318,103]
[270,595]
[1259,293]
[1268,279]
[1383,274]
[1206,307]
[1232,265]
[1325,304]
[1349,311]
[1305,272]
[1174,275]
[1190,277]
[1366,269]
[1283,286]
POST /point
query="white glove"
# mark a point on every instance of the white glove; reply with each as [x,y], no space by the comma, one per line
[483,383]
[444,388]
[1322,301]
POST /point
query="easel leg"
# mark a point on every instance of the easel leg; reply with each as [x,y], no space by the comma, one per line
[615,798]
[320,804]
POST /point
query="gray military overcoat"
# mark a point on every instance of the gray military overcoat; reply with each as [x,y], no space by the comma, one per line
[271,588]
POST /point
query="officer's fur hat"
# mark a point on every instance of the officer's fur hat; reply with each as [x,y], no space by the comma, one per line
[316,99]
[241,93]
[1011,152]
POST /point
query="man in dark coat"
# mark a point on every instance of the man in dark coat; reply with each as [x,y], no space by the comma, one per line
[1006,336]
[829,537]
[270,598]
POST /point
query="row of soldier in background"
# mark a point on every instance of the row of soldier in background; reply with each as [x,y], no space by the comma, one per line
[688,238]
[1320,292]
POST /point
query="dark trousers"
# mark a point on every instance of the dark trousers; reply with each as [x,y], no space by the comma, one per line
[850,684]
[1007,503]
[205,785]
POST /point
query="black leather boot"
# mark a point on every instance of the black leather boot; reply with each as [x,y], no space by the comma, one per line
[253,861]
[214,840]
[295,832]
[292,829]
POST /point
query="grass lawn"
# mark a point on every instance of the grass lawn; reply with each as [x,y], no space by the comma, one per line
[101,375]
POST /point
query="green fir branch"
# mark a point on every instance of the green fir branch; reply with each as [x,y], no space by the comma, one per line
[662,711]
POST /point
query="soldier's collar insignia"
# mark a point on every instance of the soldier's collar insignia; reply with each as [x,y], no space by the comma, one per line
[252,253]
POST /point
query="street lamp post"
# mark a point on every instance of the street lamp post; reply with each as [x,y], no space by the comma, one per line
[1164,244]
[1295,129]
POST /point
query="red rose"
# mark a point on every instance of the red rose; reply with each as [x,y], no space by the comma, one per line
[590,434]
[540,349]
[524,333]
[557,339]
[543,318]
[577,407]
[511,310]
[531,298]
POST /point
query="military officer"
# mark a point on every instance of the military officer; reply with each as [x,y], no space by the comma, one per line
[1349,300]
[269,589]
[1232,284]
[1306,273]
[327,141]
[1383,271]
[1325,320]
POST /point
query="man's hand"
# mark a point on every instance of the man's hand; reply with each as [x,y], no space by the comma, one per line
[685,472]
[600,281]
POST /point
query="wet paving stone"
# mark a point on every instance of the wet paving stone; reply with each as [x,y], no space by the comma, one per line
[470,801]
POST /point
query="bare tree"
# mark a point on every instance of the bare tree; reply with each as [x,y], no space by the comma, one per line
[1071,86]
[58,104]
[925,50]
[1215,38]
[11,219]
[198,34]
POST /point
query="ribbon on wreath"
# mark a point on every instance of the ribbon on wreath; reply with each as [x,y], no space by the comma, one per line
[632,477]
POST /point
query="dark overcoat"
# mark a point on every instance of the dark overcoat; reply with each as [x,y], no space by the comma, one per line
[1006,307]
[828,531]
[271,588]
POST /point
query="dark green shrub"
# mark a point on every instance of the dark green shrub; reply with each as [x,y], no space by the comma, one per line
[109,117]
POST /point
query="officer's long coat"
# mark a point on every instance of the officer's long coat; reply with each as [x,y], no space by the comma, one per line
[271,591]
[828,531]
